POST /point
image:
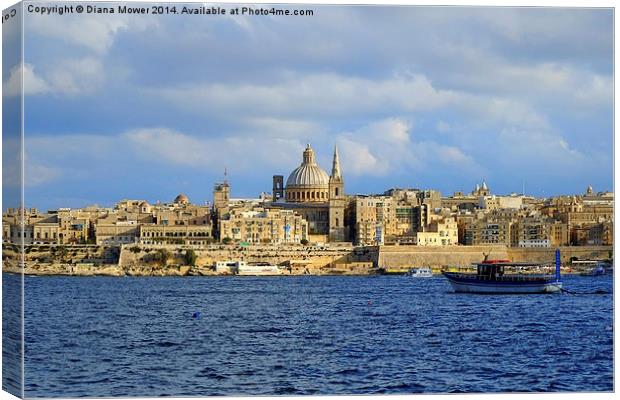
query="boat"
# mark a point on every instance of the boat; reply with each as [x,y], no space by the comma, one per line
[423,272]
[599,269]
[259,268]
[498,277]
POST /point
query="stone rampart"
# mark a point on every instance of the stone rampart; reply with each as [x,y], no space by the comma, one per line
[401,257]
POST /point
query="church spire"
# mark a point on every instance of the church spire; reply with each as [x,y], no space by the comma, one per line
[336,165]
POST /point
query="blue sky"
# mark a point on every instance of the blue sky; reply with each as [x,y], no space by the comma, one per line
[431,97]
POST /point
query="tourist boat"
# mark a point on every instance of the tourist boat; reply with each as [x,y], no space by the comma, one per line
[491,277]
[423,272]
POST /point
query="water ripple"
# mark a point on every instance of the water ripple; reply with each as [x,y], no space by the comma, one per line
[306,335]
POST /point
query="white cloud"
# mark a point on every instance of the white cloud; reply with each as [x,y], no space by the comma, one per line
[545,149]
[34,172]
[95,32]
[386,146]
[239,152]
[33,84]
[284,128]
[68,77]
[358,158]
[76,76]
[313,94]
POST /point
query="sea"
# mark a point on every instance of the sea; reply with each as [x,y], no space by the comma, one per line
[305,335]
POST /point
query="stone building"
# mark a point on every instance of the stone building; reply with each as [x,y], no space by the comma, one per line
[532,232]
[176,234]
[115,233]
[35,227]
[375,218]
[439,233]
[75,226]
[488,231]
[263,225]
[178,223]
[601,234]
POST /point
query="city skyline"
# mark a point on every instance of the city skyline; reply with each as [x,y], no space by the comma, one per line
[431,98]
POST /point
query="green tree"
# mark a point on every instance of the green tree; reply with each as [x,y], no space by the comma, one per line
[190,257]
[62,253]
[226,240]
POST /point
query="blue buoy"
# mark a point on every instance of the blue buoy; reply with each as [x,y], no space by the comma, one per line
[196,315]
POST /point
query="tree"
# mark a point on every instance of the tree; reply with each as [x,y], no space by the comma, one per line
[226,240]
[134,249]
[304,242]
[160,256]
[190,257]
[62,253]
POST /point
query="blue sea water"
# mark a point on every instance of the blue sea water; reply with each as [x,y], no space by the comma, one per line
[201,336]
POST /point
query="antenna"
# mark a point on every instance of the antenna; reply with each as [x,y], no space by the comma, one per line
[225,175]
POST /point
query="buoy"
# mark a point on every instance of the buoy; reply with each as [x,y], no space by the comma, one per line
[196,315]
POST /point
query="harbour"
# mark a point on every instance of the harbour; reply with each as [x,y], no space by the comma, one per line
[309,335]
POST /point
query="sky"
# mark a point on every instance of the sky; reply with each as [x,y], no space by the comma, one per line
[147,107]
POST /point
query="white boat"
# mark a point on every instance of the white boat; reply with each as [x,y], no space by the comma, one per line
[423,272]
[259,269]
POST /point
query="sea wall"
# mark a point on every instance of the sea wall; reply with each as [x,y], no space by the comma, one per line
[341,259]
[404,257]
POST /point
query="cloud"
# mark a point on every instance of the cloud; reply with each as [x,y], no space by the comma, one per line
[321,95]
[33,84]
[95,33]
[34,173]
[163,147]
[510,81]
[386,147]
[284,128]
[68,77]
[77,76]
[553,152]
[77,66]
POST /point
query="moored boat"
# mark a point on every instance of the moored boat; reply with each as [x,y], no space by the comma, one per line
[497,277]
[600,268]
[423,272]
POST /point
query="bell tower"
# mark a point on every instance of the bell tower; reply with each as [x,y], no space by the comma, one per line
[337,202]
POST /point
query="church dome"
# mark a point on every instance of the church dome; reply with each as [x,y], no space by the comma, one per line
[308,174]
[181,199]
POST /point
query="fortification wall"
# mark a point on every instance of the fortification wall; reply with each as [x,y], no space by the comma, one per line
[399,257]
[132,255]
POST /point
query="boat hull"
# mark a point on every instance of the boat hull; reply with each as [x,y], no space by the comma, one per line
[461,285]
